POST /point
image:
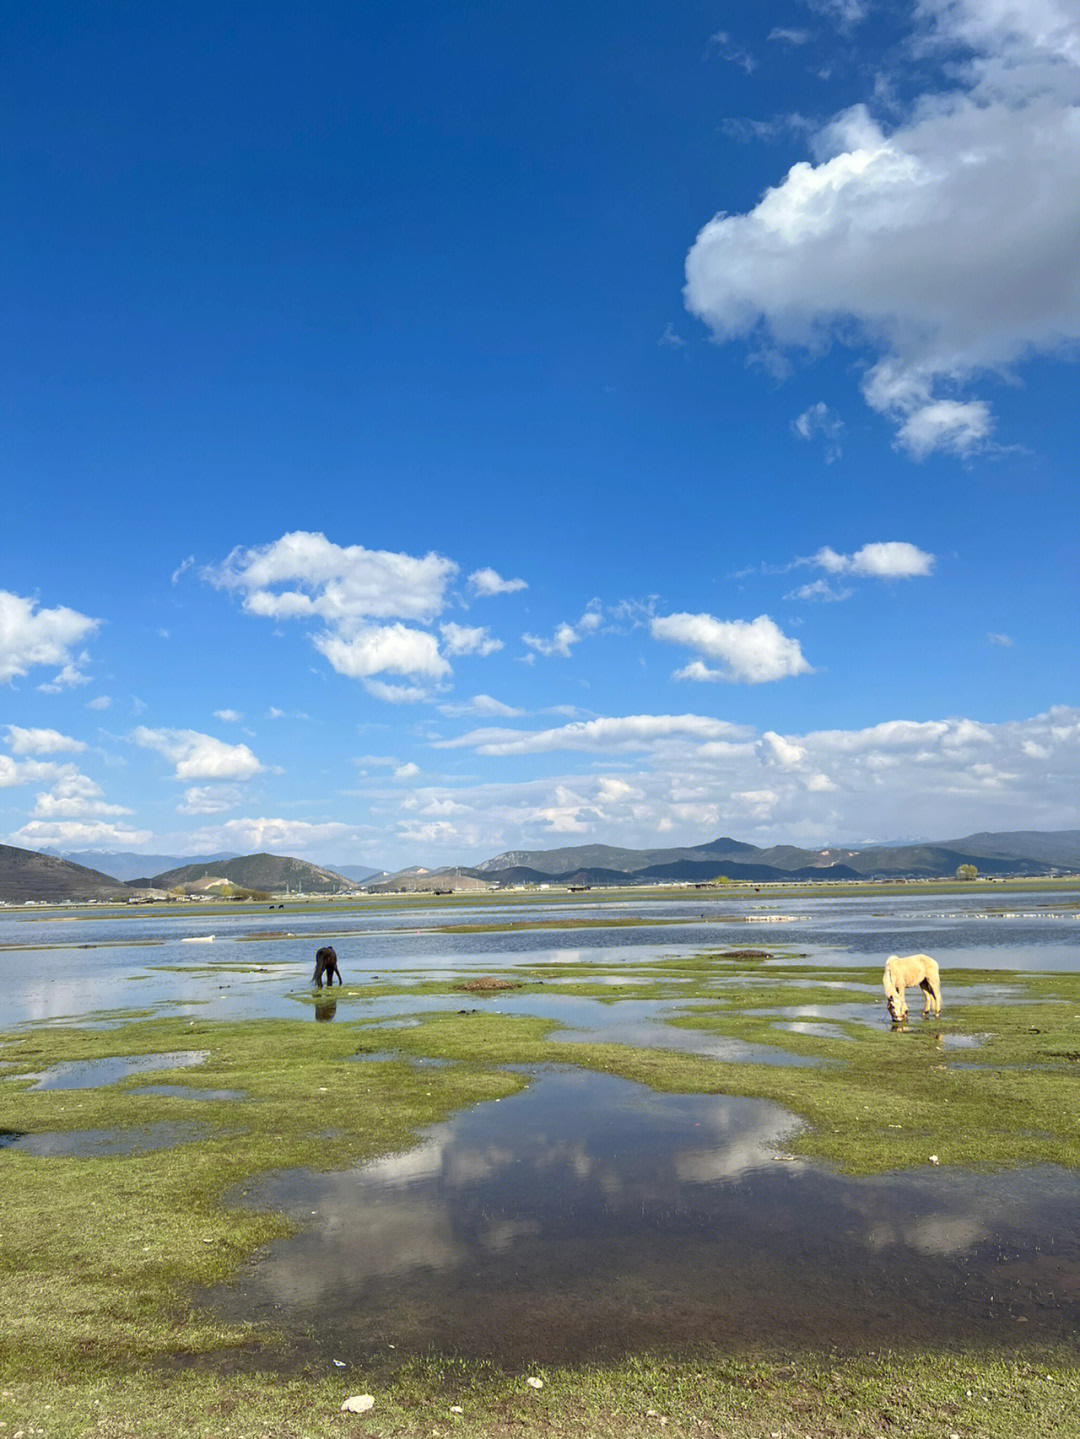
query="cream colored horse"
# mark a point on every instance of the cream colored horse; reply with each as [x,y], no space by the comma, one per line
[911,969]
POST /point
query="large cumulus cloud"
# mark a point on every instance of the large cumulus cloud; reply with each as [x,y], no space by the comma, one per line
[945,246]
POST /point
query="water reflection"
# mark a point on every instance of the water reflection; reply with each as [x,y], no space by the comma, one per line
[588,1216]
[325,1010]
[92,1073]
[100,1143]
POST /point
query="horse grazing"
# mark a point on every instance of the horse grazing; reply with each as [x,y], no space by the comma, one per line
[325,963]
[909,969]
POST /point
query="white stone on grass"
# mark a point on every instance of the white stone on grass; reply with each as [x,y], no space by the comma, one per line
[358,1404]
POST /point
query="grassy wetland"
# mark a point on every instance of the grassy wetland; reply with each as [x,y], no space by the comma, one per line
[682,1170]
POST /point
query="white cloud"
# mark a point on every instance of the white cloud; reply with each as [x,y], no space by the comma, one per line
[305,576]
[14,773]
[68,677]
[604,735]
[41,741]
[560,643]
[820,420]
[210,799]
[342,585]
[490,582]
[819,590]
[396,694]
[228,716]
[407,771]
[384,649]
[750,651]
[568,813]
[957,426]
[1003,640]
[481,705]
[944,246]
[281,836]
[66,833]
[466,640]
[892,560]
[820,783]
[698,779]
[102,702]
[31,637]
[567,635]
[775,749]
[198,756]
[72,795]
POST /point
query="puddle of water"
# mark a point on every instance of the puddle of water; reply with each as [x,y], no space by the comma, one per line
[588,1217]
[101,1143]
[187,1091]
[963,1041]
[819,1029]
[93,1073]
[645,1035]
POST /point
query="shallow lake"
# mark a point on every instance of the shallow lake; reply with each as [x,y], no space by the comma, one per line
[588,1215]
[259,961]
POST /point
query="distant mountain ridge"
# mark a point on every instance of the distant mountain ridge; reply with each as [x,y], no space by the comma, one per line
[1015,853]
[26,876]
[125,865]
[270,872]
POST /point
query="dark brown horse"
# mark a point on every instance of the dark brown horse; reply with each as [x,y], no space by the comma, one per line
[325,963]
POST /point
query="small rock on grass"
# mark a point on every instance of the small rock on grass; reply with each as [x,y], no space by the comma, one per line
[358,1404]
[534,1383]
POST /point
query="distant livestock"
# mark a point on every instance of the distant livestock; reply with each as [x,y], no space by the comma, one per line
[325,964]
[910,969]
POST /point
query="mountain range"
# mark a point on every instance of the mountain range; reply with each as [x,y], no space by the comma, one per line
[27,875]
[1017,853]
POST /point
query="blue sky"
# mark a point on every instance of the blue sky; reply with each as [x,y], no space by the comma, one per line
[430,432]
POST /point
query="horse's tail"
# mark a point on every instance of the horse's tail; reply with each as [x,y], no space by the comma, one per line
[933,980]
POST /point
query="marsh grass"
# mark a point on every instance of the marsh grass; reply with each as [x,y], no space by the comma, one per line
[100,1258]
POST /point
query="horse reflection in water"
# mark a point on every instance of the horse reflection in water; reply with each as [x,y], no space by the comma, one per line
[325,1010]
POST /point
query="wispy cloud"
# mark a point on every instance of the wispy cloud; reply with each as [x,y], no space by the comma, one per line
[567,635]
[820,421]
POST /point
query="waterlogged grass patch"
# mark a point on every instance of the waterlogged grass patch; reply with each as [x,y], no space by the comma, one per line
[879,1099]
[101,1255]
